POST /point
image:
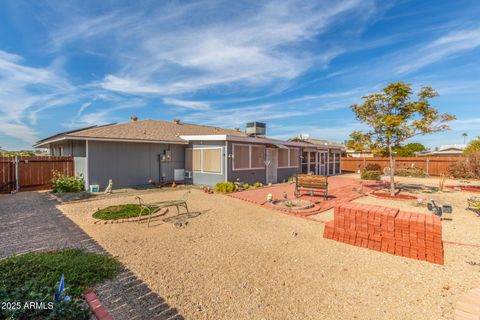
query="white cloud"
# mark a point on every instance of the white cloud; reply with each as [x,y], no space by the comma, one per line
[444,47]
[194,105]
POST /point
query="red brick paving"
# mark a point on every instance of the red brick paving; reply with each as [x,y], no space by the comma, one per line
[407,234]
[340,190]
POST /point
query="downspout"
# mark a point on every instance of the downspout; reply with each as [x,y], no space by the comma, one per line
[87,180]
[226,164]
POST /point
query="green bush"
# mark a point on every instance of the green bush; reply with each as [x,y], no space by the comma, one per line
[63,183]
[370,175]
[246,186]
[410,172]
[225,187]
[258,185]
[373,167]
[34,277]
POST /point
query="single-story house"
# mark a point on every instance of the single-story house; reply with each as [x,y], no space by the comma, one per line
[455,150]
[132,153]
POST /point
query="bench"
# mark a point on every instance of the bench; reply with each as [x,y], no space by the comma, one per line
[312,183]
[153,207]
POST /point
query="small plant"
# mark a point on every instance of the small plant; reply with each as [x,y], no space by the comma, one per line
[226,187]
[410,172]
[371,175]
[441,182]
[246,186]
[290,179]
[373,167]
[62,183]
[258,185]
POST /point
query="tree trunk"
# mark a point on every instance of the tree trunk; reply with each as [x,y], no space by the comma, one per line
[392,171]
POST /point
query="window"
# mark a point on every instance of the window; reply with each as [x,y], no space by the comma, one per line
[257,157]
[206,160]
[212,160]
[294,157]
[248,157]
[196,160]
[282,158]
[241,156]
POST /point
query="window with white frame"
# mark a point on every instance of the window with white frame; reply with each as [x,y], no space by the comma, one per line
[283,158]
[204,160]
[294,157]
[247,156]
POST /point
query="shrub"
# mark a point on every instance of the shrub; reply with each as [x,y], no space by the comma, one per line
[225,187]
[410,172]
[370,175]
[63,183]
[246,186]
[466,168]
[373,167]
[290,179]
[258,185]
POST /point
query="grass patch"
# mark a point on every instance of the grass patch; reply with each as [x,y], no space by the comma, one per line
[122,211]
[34,277]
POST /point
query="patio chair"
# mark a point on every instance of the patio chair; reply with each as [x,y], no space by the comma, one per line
[153,207]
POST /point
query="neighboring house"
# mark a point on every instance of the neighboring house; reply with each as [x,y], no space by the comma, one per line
[358,154]
[320,157]
[455,150]
[132,153]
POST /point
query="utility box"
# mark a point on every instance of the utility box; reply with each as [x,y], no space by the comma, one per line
[256,128]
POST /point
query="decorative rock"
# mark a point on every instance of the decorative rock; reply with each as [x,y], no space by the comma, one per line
[294,234]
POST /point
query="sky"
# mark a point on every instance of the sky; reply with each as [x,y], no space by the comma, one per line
[296,65]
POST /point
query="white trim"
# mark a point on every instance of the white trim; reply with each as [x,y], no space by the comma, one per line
[249,156]
[208,137]
[87,180]
[201,160]
[39,145]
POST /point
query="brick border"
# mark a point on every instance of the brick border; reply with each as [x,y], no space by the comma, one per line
[96,306]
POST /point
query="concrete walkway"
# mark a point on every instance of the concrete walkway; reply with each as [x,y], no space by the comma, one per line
[29,221]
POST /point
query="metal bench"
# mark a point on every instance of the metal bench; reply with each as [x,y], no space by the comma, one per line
[153,207]
[312,183]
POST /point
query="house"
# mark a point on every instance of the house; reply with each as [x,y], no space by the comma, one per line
[351,153]
[455,150]
[320,157]
[132,153]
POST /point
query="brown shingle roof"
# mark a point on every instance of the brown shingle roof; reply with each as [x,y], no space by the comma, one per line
[152,130]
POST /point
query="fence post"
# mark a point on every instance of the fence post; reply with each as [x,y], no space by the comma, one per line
[364,164]
[428,167]
[17,177]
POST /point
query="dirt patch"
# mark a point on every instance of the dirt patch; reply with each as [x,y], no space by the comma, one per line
[242,261]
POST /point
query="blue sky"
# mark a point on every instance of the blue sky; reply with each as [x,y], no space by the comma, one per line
[298,65]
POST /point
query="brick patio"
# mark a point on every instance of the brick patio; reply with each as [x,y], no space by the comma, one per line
[340,190]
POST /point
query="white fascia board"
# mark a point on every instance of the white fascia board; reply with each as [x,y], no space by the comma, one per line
[206,137]
[107,139]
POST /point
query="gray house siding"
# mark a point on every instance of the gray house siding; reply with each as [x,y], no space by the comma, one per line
[73,148]
[131,164]
[209,179]
[285,173]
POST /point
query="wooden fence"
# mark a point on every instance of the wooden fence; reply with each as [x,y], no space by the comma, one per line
[24,173]
[433,166]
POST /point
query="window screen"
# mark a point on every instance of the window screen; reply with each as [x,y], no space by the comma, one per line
[258,157]
[294,157]
[197,160]
[188,159]
[283,157]
[212,160]
[240,156]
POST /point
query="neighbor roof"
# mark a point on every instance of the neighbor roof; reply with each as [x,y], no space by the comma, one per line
[320,142]
[142,130]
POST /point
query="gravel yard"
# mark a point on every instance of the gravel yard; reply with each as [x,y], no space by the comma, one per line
[237,260]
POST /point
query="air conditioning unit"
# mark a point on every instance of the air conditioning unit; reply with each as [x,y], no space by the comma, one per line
[256,128]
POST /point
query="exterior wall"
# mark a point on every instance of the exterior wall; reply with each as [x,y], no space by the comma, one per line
[285,173]
[209,179]
[74,148]
[131,164]
[246,176]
